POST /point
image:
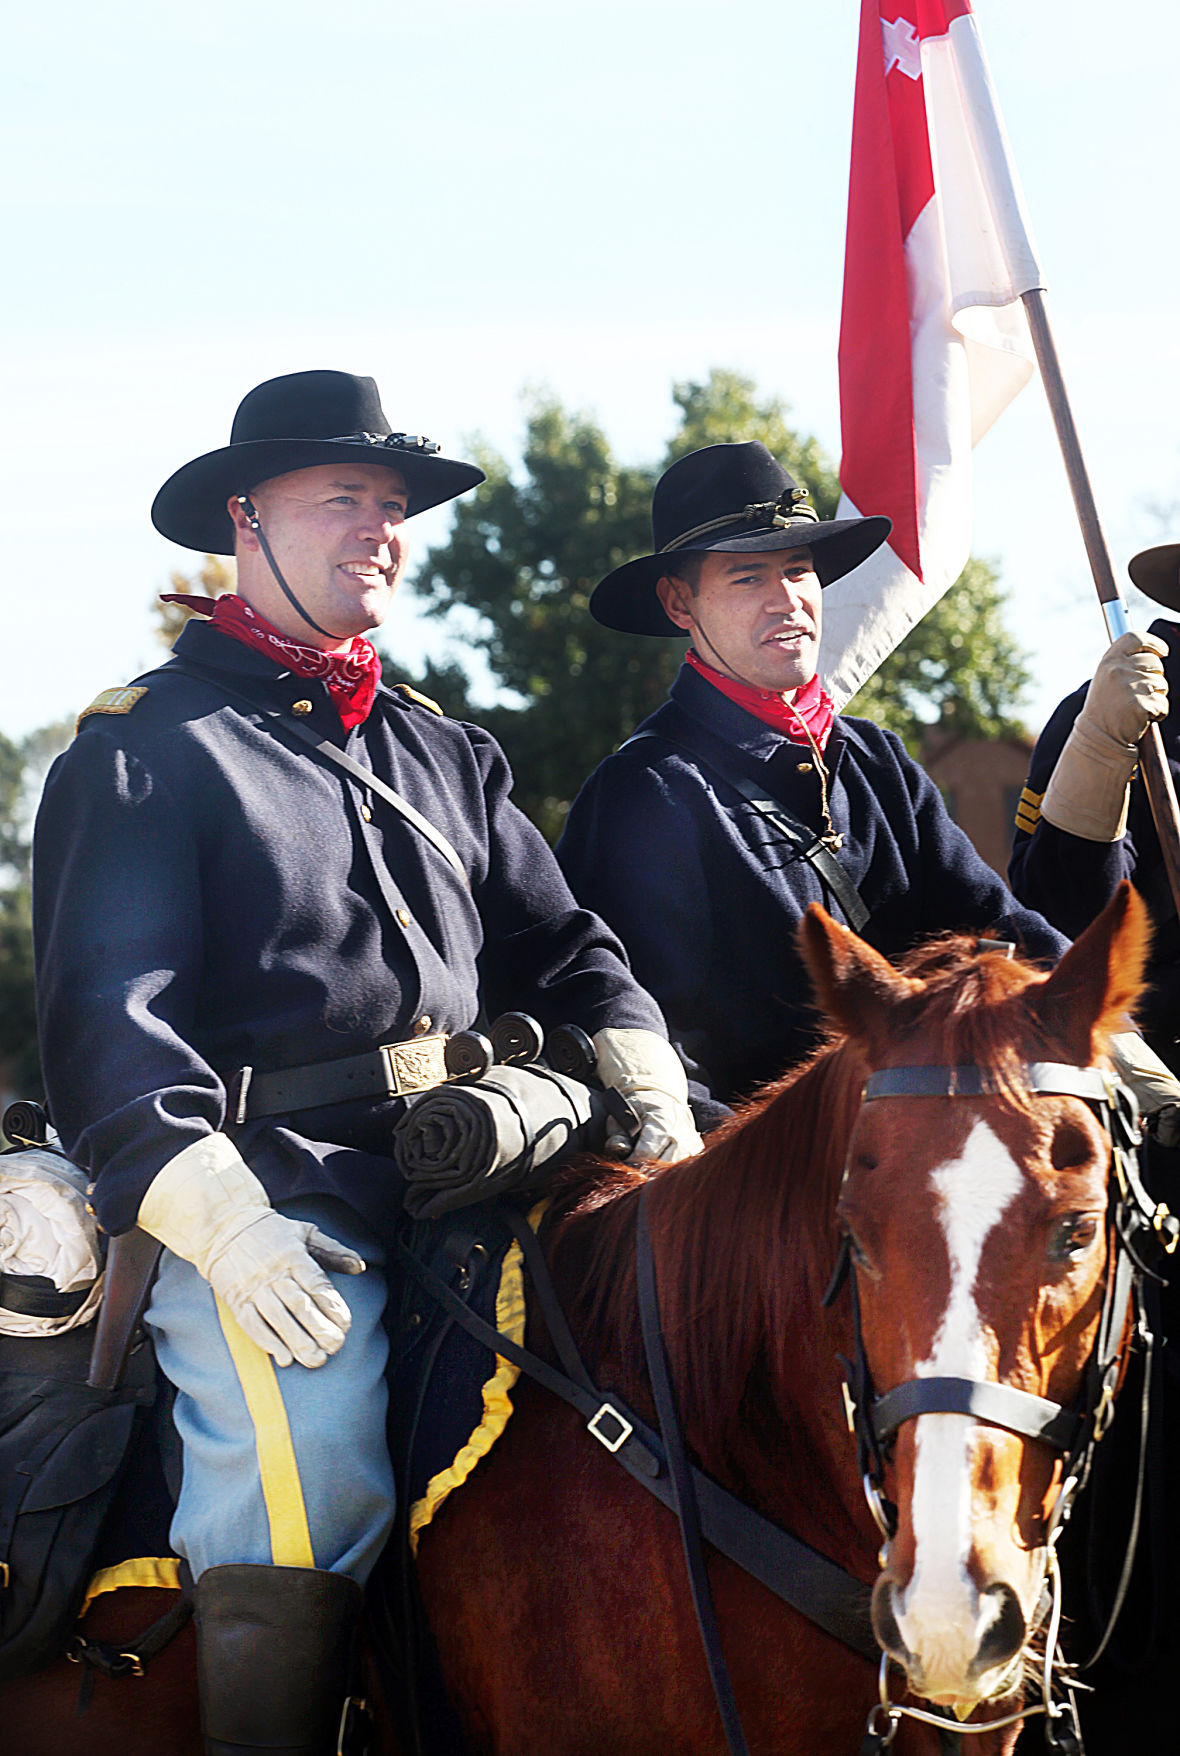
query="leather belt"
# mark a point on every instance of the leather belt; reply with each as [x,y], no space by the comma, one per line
[392,1070]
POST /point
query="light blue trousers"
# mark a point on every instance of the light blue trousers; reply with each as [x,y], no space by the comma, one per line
[281,1465]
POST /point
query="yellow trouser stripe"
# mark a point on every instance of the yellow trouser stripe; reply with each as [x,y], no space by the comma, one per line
[290,1539]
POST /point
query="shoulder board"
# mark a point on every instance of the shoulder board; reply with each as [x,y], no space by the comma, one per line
[416,695]
[120,700]
[1028,810]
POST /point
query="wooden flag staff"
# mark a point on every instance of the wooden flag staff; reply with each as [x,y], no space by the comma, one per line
[1157,776]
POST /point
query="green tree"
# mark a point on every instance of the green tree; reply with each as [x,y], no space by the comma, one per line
[517,573]
[23,768]
[960,667]
[526,551]
[214,576]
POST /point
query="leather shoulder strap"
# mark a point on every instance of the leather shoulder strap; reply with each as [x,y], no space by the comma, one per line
[715,754]
[324,747]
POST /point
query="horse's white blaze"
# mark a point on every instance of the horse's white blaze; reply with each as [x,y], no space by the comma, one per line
[940,1616]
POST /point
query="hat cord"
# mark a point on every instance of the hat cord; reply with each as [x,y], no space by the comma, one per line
[251,511]
[780,514]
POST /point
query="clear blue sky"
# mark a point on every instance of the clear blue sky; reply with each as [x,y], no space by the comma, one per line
[463,199]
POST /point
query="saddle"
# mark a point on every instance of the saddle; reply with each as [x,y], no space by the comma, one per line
[81,1480]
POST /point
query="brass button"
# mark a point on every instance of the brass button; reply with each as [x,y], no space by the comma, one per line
[366,814]
[403,915]
[301,707]
[803,767]
[422,1025]
[90,1210]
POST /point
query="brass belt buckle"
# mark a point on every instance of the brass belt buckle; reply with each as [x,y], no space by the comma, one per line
[417,1065]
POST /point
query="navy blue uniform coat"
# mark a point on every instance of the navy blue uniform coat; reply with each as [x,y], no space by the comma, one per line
[707,899]
[1070,880]
[208,894]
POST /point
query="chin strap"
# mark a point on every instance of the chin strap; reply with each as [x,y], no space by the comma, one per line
[251,511]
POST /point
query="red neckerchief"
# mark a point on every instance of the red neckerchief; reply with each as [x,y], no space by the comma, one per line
[352,676]
[811,707]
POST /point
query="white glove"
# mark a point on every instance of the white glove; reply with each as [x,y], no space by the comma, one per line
[1088,790]
[208,1206]
[1151,1079]
[648,1072]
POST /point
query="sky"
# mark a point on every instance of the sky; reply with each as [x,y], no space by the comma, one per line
[466,201]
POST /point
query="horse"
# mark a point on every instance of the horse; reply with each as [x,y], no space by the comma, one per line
[555,1585]
[975,1232]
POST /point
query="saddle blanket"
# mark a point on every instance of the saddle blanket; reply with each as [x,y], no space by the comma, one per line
[449,1395]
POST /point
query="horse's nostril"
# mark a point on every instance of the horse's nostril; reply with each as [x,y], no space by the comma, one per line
[1006,1632]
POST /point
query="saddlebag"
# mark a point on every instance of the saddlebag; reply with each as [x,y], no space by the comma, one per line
[63,1449]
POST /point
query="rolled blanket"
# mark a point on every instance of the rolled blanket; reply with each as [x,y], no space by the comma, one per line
[51,1260]
[462,1143]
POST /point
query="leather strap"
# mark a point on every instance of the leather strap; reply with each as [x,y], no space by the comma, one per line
[1043,1078]
[324,747]
[392,1070]
[34,1295]
[682,1482]
[797,1574]
[714,753]
[1000,1405]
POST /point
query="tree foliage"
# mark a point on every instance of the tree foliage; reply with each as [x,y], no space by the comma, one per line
[960,666]
[214,576]
[23,768]
[527,549]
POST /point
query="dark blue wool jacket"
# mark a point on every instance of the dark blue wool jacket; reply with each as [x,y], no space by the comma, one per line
[209,894]
[707,898]
[1070,880]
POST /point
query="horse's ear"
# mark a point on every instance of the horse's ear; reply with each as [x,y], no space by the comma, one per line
[1100,978]
[854,984]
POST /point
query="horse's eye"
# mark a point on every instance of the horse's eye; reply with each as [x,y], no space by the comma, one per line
[1072,1235]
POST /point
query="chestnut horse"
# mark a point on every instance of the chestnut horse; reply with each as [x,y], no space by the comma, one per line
[555,1584]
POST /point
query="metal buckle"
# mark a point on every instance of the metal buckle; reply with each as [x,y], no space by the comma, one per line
[1168,1236]
[626,1428]
[416,1065]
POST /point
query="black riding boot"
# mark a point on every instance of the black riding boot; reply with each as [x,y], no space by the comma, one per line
[274,1658]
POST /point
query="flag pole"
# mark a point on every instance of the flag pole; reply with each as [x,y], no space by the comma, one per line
[1157,776]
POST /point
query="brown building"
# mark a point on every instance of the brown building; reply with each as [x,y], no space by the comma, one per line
[980,779]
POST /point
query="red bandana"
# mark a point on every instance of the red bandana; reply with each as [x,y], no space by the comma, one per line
[352,676]
[810,706]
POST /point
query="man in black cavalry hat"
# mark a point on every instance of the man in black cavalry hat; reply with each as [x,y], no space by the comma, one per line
[1084,821]
[248,957]
[744,798]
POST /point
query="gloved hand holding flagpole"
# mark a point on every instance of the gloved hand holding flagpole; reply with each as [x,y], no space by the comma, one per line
[943,318]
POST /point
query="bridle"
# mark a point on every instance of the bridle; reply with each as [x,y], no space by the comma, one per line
[1138,1229]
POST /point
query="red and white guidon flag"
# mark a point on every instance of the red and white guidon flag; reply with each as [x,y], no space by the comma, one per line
[934,342]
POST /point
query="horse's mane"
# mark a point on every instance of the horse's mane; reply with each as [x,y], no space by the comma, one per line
[745,1232]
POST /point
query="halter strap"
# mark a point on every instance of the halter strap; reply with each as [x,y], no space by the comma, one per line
[1042,1078]
[1000,1405]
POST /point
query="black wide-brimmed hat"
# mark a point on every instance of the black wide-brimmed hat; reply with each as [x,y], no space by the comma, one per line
[296,422]
[1157,574]
[730,498]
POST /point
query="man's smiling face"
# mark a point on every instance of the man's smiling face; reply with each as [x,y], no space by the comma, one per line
[755,617]
[336,534]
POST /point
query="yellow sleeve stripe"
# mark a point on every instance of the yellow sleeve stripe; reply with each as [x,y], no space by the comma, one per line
[497,1404]
[290,1539]
[1028,810]
[152,1570]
